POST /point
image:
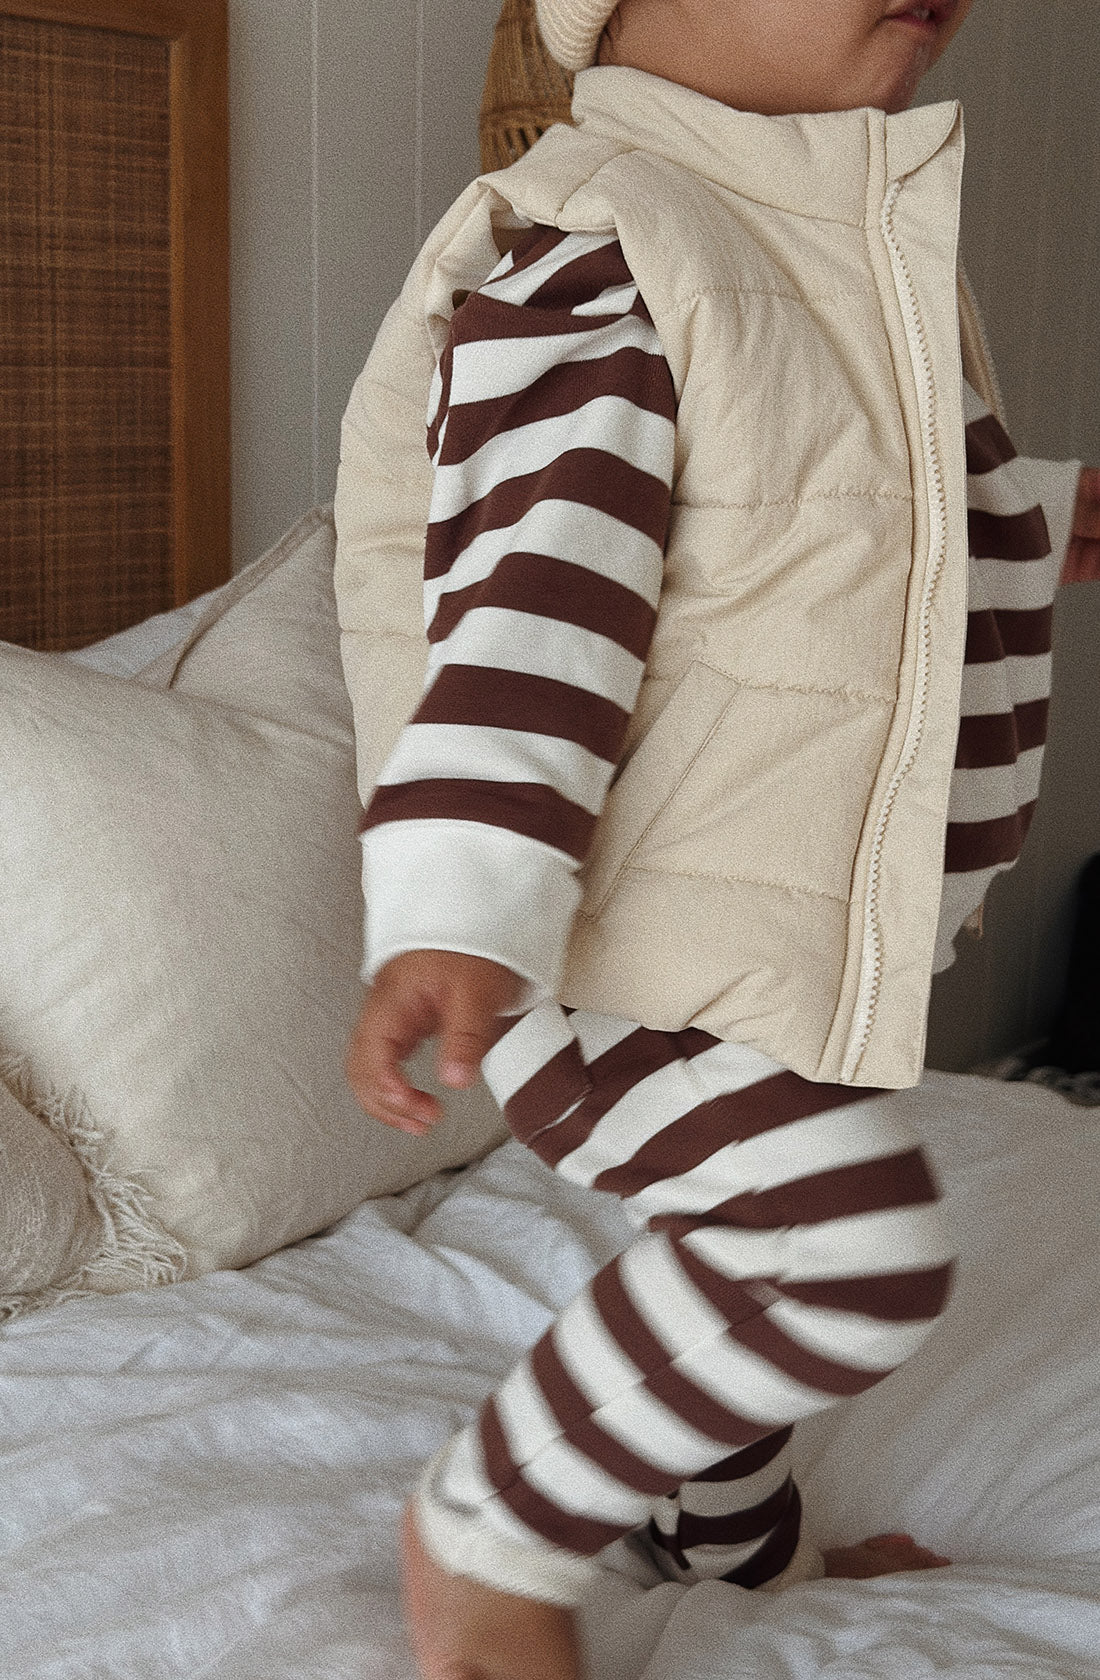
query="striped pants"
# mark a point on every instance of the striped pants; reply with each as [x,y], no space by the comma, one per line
[790,1253]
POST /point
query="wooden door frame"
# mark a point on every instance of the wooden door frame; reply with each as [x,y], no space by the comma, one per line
[196,35]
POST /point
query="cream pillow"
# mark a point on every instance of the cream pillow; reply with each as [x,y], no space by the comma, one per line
[47,1221]
[68,1226]
[181,917]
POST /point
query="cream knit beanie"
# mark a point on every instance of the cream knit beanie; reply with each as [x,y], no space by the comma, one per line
[571,29]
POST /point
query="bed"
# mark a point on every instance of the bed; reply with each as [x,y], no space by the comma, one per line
[235,1317]
[205,1477]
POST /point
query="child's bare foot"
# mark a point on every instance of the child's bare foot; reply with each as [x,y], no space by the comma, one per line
[883,1554]
[461,1630]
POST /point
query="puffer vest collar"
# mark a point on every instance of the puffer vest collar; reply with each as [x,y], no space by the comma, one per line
[810,165]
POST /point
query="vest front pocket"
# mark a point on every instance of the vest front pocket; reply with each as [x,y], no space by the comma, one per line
[648,782]
[743,781]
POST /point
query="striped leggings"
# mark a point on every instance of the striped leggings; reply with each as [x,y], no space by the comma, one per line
[790,1253]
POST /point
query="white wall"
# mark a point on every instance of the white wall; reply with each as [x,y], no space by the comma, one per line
[354,124]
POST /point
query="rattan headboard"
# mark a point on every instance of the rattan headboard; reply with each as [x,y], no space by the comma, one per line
[114,313]
[525,91]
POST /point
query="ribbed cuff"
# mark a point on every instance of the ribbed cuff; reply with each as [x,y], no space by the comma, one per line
[472,1540]
[465,886]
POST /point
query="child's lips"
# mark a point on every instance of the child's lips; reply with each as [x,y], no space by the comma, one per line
[923,26]
[927,18]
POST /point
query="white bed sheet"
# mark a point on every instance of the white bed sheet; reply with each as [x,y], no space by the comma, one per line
[206,1480]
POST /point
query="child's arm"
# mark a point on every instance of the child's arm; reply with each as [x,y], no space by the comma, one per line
[1082,564]
[553,449]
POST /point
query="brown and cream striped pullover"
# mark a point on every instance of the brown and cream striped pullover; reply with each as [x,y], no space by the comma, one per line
[550,427]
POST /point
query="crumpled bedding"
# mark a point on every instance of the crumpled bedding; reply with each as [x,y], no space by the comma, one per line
[206,1480]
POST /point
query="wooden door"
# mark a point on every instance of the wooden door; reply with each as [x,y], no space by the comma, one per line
[114,313]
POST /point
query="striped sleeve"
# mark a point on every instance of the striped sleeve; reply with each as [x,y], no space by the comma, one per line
[551,430]
[1019,515]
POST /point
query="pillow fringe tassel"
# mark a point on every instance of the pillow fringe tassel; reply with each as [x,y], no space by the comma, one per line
[134,1250]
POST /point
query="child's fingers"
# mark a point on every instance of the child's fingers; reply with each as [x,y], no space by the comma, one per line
[1082,562]
[395,1102]
[384,1036]
[460,1056]
[1086,516]
[399,1104]
[470,1023]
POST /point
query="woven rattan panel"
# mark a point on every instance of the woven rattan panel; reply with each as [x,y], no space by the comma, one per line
[525,91]
[86,542]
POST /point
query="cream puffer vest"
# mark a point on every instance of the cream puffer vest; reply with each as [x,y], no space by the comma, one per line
[769,863]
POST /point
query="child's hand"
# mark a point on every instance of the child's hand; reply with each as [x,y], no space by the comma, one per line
[423,994]
[1083,553]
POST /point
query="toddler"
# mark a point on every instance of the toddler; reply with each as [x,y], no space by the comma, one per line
[688,810]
